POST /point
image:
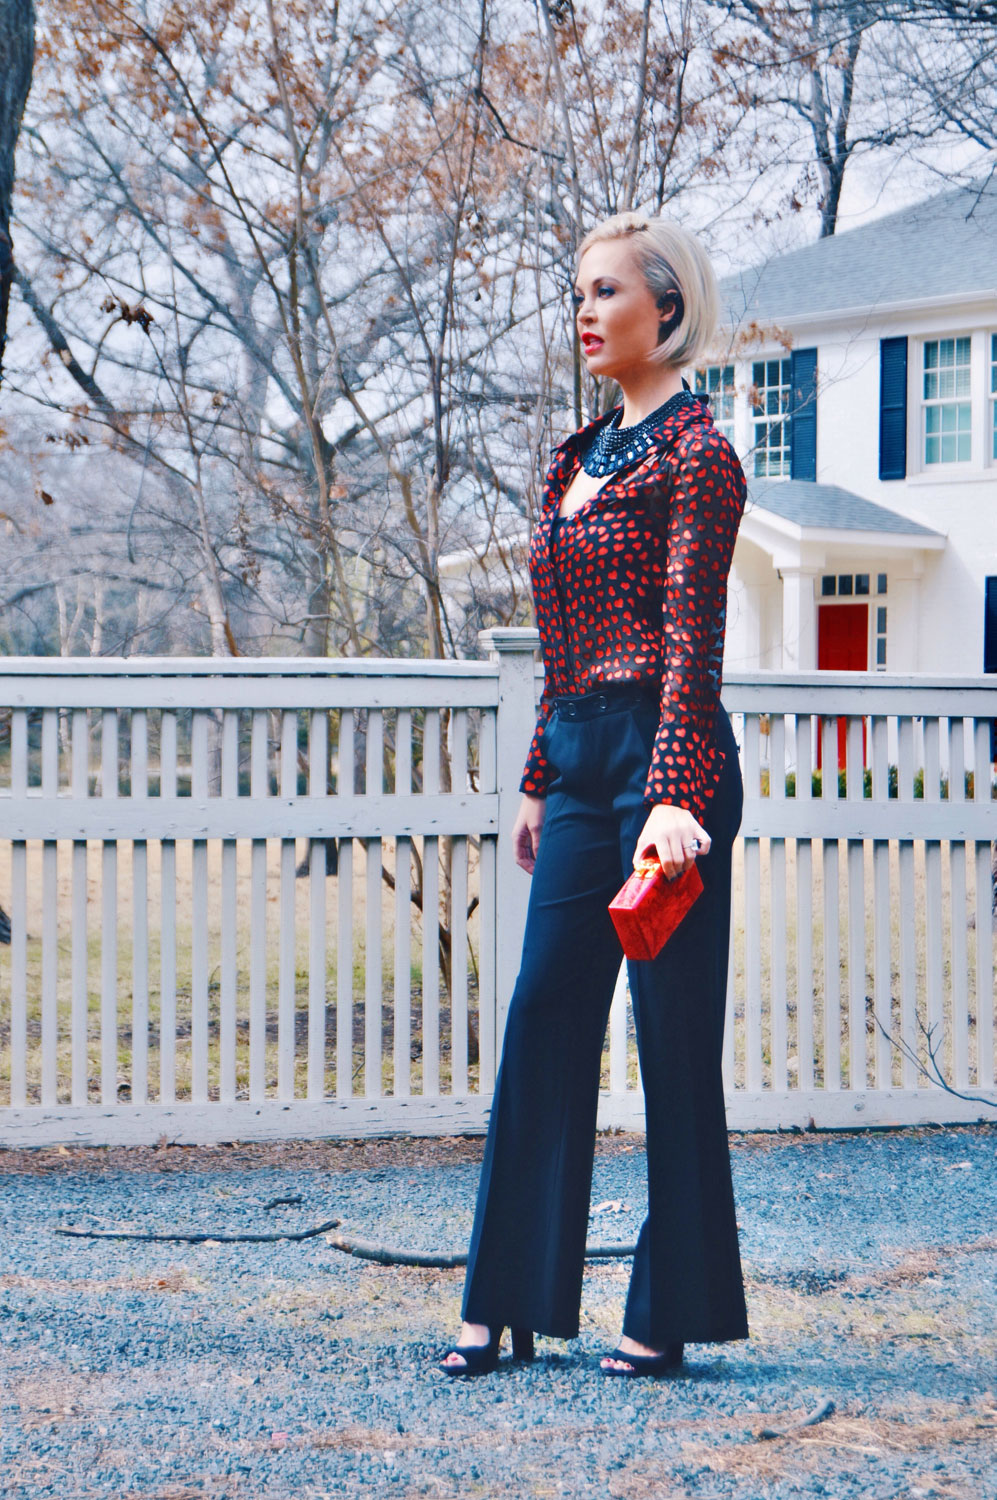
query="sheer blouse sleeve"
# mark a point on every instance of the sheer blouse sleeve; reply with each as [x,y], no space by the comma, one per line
[705,502]
[537,774]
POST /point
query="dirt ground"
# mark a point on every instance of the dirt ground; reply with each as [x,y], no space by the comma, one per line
[174,1371]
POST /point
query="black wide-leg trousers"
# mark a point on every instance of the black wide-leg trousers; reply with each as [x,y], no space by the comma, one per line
[527,1249]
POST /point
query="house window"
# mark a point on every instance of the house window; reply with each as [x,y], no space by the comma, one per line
[880,637]
[771,382]
[948,435]
[716,383]
[993,395]
[843,585]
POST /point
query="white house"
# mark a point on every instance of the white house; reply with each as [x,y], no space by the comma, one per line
[857,379]
[858,383]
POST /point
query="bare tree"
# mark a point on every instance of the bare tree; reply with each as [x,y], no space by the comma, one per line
[946,55]
[820,64]
[279,312]
[17,51]
[644,107]
[295,265]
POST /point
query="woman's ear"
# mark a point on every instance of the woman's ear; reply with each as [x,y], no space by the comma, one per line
[672,310]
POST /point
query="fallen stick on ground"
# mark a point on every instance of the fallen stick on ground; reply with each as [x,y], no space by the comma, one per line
[818,1414]
[201,1238]
[385,1255]
[388,1255]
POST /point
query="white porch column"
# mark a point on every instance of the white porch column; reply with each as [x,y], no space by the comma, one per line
[799,619]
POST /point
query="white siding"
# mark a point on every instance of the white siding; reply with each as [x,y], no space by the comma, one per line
[935,599]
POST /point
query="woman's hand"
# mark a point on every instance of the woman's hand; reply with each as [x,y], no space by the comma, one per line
[526,831]
[669,834]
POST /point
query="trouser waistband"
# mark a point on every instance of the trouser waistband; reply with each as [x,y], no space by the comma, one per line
[608,700]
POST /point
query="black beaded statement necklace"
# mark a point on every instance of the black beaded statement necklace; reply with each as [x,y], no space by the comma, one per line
[613,445]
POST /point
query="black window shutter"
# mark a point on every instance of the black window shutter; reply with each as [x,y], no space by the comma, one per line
[803,410]
[893,408]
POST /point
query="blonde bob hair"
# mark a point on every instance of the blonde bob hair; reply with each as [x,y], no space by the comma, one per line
[677,270]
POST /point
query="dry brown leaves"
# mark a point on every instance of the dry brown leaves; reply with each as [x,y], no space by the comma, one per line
[210,1485]
[915,1266]
[173,1279]
[236,1156]
[841,1438]
[360,1440]
[246,1156]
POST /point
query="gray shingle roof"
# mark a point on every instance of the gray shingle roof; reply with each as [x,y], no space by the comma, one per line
[828,507]
[943,247]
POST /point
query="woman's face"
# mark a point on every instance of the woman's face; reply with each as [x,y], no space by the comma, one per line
[618,318]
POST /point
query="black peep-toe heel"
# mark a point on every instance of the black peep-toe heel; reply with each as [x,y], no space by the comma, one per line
[522,1345]
[479,1359]
[669,1360]
[482,1359]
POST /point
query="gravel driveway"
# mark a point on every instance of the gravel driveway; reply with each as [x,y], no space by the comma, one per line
[151,1371]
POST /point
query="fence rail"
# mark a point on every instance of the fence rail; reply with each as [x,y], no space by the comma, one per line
[251,899]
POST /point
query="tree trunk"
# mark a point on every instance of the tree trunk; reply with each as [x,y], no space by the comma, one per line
[17,56]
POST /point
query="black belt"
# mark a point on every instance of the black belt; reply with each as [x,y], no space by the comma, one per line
[608,700]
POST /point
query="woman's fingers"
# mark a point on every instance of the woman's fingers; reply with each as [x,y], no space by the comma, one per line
[526,832]
[703,837]
[678,851]
[526,846]
[674,837]
[671,856]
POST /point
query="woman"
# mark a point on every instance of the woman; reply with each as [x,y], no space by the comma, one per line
[632,755]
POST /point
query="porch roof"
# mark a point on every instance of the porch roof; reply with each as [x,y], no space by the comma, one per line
[814,507]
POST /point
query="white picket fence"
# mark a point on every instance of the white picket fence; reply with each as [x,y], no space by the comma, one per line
[172,972]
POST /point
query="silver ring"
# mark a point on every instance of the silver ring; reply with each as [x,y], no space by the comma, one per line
[692,848]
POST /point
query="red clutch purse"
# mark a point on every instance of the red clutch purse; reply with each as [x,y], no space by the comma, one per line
[648,908]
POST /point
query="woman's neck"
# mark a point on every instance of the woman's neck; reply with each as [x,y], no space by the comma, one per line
[647,389]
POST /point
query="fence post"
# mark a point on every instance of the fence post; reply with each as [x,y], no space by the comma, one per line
[513,647]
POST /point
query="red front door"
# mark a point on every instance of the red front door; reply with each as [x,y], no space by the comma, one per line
[842,646]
